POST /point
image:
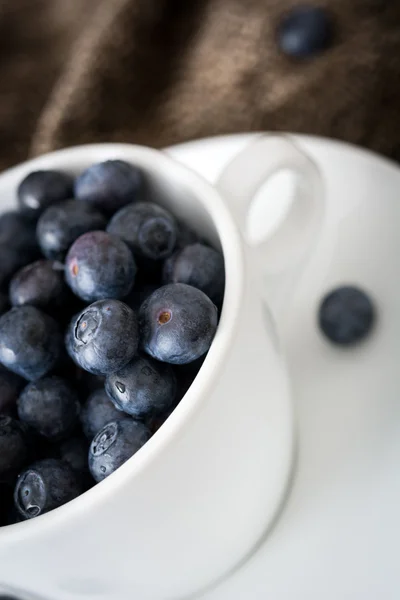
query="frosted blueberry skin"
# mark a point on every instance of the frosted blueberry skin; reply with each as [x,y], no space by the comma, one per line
[44,486]
[60,225]
[104,337]
[40,284]
[177,324]
[99,265]
[149,230]
[40,189]
[109,185]
[30,342]
[114,445]
[200,266]
[145,387]
[50,407]
[346,315]
[97,411]
[305,32]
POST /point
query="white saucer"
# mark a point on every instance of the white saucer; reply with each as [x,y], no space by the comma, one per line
[338,537]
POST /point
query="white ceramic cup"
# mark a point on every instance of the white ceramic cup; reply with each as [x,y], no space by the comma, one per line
[199,496]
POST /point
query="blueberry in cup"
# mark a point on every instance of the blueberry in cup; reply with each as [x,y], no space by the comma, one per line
[114,445]
[104,337]
[30,342]
[144,388]
[79,400]
[45,485]
[177,323]
[97,411]
[98,266]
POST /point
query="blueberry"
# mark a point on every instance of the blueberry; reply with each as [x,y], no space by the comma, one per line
[40,189]
[104,337]
[45,485]
[114,445]
[10,388]
[144,387]
[199,266]
[109,185]
[346,315]
[97,411]
[12,259]
[60,225]
[177,323]
[98,266]
[40,284]
[14,445]
[305,32]
[17,231]
[4,304]
[50,406]
[149,230]
[30,342]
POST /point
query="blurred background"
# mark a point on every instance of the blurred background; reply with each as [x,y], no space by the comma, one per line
[158,72]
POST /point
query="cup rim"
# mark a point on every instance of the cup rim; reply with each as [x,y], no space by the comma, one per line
[196,395]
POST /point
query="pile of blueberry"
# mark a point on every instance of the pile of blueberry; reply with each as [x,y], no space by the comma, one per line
[108,306]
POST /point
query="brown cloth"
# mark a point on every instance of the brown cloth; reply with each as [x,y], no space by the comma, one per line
[158,72]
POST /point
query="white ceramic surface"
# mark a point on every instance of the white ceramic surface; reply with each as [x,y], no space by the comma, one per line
[339,535]
[198,497]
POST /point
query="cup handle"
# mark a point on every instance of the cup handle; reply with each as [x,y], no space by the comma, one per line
[280,257]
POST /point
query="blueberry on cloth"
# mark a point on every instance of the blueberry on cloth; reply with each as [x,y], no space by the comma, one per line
[305,31]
